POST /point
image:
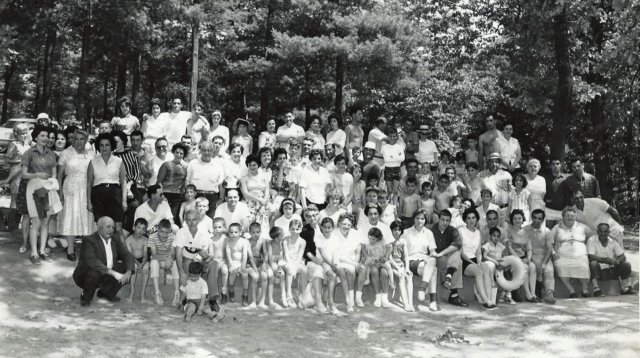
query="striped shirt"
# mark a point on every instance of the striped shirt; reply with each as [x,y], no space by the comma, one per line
[131,165]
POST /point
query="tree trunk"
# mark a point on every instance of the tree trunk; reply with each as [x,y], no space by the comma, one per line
[121,80]
[47,74]
[151,76]
[339,84]
[135,84]
[195,38]
[81,96]
[8,74]
[562,105]
[264,91]
[307,94]
[36,100]
[598,115]
[105,97]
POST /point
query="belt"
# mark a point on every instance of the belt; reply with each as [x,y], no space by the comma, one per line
[106,185]
[503,206]
[206,192]
[377,156]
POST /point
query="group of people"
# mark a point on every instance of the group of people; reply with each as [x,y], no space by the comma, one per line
[181,195]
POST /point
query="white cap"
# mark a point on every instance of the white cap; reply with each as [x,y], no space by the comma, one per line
[43,116]
[370,145]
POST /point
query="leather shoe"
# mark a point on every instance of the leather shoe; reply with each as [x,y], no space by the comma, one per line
[213,304]
[457,301]
[108,298]
[83,301]
[71,257]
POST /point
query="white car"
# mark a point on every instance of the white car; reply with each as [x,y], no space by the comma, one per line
[6,130]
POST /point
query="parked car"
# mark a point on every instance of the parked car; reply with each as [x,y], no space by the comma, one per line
[6,130]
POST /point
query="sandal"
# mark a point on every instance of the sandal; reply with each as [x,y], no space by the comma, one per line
[35,260]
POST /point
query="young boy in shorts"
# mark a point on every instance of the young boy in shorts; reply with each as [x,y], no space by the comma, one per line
[393,156]
[189,202]
[442,194]
[218,253]
[137,245]
[236,254]
[256,265]
[163,258]
[428,204]
[410,202]
[193,294]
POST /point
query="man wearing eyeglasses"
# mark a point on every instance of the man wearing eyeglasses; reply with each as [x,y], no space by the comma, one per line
[207,174]
[162,155]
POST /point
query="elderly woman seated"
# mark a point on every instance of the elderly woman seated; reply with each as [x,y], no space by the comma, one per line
[570,252]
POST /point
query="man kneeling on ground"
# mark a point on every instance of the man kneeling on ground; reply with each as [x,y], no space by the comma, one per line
[105,264]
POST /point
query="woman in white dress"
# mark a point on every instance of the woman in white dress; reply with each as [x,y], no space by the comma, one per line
[536,185]
[74,220]
[154,126]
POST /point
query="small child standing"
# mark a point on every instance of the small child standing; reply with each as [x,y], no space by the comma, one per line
[204,221]
[256,265]
[375,259]
[428,204]
[237,254]
[163,257]
[471,153]
[492,256]
[193,295]
[442,194]
[393,156]
[410,201]
[137,245]
[425,174]
[189,202]
[293,251]
[400,265]
[445,162]
[277,264]
[218,243]
[389,211]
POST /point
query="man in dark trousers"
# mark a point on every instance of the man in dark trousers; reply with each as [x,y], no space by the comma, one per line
[105,264]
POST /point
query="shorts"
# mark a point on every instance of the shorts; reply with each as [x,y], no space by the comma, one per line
[391,173]
[252,272]
[106,200]
[407,222]
[186,301]
[414,265]
[465,264]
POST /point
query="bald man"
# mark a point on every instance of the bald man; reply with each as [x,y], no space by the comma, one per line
[105,264]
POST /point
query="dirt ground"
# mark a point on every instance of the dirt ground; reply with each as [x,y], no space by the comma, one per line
[40,315]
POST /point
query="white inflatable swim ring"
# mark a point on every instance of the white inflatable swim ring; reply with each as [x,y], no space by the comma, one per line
[518,272]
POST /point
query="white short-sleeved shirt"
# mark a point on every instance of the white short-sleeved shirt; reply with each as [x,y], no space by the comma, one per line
[195,290]
[177,126]
[492,250]
[106,173]
[293,131]
[192,245]
[196,130]
[206,176]
[376,136]
[343,247]
[595,213]
[420,244]
[338,137]
[613,249]
[326,244]
[156,163]
[155,128]
[508,149]
[427,151]
[163,211]
[470,241]
[365,225]
[315,183]
[283,223]
[393,155]
[127,124]
[343,183]
[240,214]
[318,140]
[267,139]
